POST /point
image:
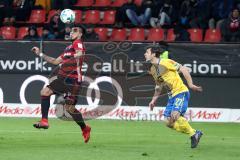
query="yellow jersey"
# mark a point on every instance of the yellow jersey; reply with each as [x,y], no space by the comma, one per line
[166,73]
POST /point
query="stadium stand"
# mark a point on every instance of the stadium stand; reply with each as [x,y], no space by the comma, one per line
[78,14]
[170,35]
[102,15]
[119,34]
[84,3]
[102,33]
[102,3]
[51,13]
[109,17]
[92,17]
[212,35]
[137,34]
[118,3]
[37,16]
[155,34]
[8,32]
[196,35]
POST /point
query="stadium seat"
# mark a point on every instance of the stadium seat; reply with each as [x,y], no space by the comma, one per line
[92,17]
[109,17]
[138,2]
[155,34]
[78,16]
[40,31]
[213,35]
[22,31]
[84,3]
[170,35]
[196,35]
[118,3]
[8,32]
[102,3]
[51,13]
[119,34]
[137,34]
[37,16]
[102,33]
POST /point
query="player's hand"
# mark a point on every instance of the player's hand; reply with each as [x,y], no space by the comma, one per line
[36,50]
[195,88]
[152,104]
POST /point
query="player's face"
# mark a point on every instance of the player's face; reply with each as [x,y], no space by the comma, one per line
[75,33]
[148,55]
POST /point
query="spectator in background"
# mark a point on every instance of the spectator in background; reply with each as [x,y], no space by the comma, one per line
[142,15]
[67,31]
[32,34]
[181,33]
[202,14]
[231,27]
[90,35]
[22,9]
[6,11]
[195,13]
[121,16]
[220,11]
[62,4]
[163,16]
[47,34]
[56,26]
[186,13]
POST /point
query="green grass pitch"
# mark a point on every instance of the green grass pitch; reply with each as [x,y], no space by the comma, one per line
[115,140]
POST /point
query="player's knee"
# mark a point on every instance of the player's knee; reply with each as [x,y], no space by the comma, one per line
[169,125]
[70,108]
[169,122]
[45,92]
[70,100]
[174,116]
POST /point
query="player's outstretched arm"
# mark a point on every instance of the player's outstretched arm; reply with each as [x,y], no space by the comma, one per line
[184,70]
[157,92]
[49,59]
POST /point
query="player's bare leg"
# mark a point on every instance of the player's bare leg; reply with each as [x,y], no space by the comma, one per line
[45,104]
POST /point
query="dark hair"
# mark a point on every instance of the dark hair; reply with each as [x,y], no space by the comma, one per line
[33,28]
[156,49]
[163,45]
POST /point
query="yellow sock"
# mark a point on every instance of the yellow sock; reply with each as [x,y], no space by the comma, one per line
[182,125]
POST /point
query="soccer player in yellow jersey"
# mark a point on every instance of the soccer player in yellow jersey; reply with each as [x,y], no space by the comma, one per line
[166,74]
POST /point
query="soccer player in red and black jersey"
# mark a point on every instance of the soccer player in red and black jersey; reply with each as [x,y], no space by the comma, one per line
[67,81]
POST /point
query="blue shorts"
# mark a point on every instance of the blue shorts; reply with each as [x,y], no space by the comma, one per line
[177,103]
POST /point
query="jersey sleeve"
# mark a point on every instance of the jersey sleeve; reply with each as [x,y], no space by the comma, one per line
[78,45]
[171,65]
[61,55]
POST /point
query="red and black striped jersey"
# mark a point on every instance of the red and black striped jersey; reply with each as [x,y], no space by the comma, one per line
[72,67]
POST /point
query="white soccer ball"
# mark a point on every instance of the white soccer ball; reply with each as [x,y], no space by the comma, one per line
[67,16]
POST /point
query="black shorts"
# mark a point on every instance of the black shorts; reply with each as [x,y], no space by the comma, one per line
[64,85]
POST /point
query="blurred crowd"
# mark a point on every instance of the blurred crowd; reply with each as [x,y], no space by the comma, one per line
[178,14]
[184,14]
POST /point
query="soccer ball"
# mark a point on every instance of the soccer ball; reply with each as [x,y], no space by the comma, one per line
[67,16]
